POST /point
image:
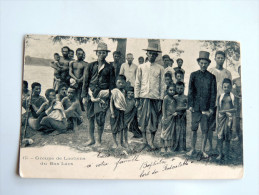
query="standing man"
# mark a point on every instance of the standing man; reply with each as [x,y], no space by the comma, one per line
[201,99]
[149,93]
[99,80]
[64,63]
[117,62]
[129,70]
[141,60]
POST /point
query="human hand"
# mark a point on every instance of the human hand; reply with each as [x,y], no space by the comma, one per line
[191,109]
[112,115]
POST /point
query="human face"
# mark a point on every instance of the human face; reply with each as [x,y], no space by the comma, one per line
[171,90]
[80,55]
[179,77]
[63,91]
[179,63]
[180,89]
[152,55]
[101,55]
[71,93]
[130,95]
[130,59]
[71,54]
[168,80]
[166,62]
[203,64]
[116,57]
[227,87]
[120,84]
[37,90]
[220,59]
[141,60]
[57,57]
[52,96]
[65,52]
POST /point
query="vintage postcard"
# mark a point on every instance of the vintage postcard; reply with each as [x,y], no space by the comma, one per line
[124,108]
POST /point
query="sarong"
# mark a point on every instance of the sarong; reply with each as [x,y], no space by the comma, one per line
[225,126]
[131,120]
[117,123]
[168,128]
[149,111]
[179,136]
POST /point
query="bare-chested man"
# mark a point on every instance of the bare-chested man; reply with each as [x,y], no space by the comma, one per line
[64,62]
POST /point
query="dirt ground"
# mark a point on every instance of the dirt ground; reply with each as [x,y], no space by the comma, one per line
[77,140]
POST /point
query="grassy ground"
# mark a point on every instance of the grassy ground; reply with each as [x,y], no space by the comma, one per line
[77,140]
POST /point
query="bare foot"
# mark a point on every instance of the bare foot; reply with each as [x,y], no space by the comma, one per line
[163,150]
[205,155]
[153,146]
[191,153]
[114,146]
[219,157]
[89,143]
[98,144]
[170,149]
[125,145]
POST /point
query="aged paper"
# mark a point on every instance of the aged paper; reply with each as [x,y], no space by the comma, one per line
[124,108]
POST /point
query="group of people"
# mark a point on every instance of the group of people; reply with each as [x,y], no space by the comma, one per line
[140,97]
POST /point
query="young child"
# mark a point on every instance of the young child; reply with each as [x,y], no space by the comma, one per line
[62,92]
[237,92]
[57,71]
[168,119]
[118,107]
[179,138]
[226,108]
[168,81]
[131,114]
[179,76]
[179,65]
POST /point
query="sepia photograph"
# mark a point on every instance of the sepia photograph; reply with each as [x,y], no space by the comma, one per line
[129,108]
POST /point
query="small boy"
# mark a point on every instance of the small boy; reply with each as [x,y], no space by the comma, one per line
[227,107]
[118,106]
[237,92]
[131,114]
[57,71]
[168,80]
[62,92]
[168,119]
[179,65]
[179,137]
[179,76]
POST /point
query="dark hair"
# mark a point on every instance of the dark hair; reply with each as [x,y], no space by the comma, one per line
[171,60]
[179,59]
[170,85]
[227,81]
[180,83]
[66,48]
[25,83]
[35,84]
[71,50]
[165,56]
[168,74]
[116,52]
[141,57]
[121,77]
[48,91]
[178,72]
[61,86]
[80,49]
[220,52]
[56,54]
[130,88]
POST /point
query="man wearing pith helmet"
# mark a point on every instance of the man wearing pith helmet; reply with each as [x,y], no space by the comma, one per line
[99,80]
[201,99]
[149,93]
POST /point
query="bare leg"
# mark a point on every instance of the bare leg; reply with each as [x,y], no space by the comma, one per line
[115,144]
[145,138]
[126,137]
[100,133]
[204,141]
[220,147]
[152,139]
[210,136]
[169,145]
[121,138]
[91,132]
[163,147]
[227,144]
[75,126]
[194,140]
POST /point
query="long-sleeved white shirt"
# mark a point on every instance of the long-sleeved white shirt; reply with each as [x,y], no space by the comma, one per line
[149,81]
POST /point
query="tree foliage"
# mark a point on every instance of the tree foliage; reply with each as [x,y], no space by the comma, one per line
[175,48]
[80,40]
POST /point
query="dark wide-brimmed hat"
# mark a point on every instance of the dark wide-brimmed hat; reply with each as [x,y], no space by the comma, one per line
[102,47]
[204,55]
[153,47]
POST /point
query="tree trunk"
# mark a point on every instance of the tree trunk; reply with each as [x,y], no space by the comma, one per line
[121,46]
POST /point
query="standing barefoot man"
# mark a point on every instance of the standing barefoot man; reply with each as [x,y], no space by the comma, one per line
[201,100]
[98,82]
[149,93]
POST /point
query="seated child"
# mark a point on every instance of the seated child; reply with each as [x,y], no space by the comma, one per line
[179,65]
[72,109]
[179,76]
[226,107]
[57,71]
[179,138]
[118,107]
[131,114]
[168,80]
[168,119]
[62,92]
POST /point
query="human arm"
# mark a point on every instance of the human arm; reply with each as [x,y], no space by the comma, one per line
[86,80]
[191,93]
[213,94]
[112,107]
[161,84]
[164,105]
[55,65]
[41,109]
[49,110]
[71,71]
[112,79]
[122,71]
